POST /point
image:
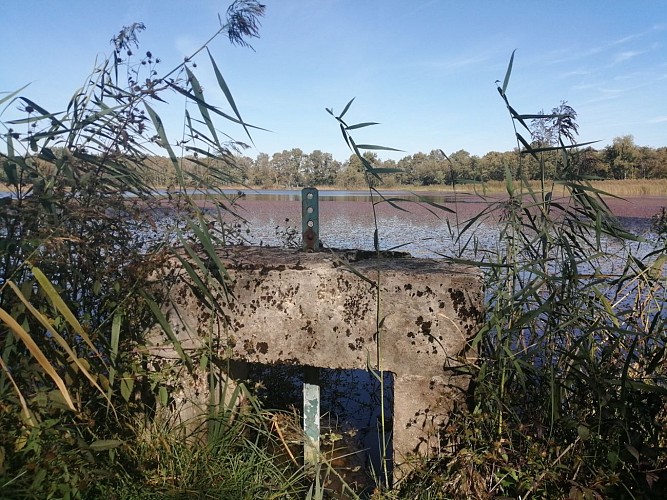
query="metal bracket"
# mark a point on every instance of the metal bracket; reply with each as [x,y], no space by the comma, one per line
[310,219]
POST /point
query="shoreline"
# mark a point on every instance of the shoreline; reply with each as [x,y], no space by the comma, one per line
[643,206]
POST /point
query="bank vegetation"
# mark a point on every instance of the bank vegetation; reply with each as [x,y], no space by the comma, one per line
[568,394]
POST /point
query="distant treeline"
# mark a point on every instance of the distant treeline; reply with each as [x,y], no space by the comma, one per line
[623,159]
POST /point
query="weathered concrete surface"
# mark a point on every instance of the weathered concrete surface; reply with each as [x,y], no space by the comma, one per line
[310,309]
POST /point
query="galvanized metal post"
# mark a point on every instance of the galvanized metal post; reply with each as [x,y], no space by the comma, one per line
[310,224]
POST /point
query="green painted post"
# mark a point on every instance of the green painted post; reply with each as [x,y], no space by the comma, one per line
[310,224]
[310,219]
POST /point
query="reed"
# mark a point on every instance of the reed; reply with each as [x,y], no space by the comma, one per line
[81,279]
[570,386]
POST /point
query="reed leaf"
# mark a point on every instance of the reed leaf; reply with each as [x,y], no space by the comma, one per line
[228,94]
[360,125]
[506,80]
[162,134]
[11,95]
[27,415]
[62,308]
[114,345]
[58,338]
[39,356]
[166,327]
[212,108]
[374,147]
[346,108]
[196,88]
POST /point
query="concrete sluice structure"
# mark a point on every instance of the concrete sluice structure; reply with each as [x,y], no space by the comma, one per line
[321,310]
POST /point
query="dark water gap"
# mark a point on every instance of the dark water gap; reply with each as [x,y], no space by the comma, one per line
[350,410]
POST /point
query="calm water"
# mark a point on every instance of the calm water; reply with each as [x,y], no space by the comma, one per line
[273,218]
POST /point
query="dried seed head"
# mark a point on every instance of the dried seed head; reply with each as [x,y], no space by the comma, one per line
[242,21]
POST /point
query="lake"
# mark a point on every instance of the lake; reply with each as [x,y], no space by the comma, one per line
[273,218]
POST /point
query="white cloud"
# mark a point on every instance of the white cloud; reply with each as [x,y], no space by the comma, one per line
[625,55]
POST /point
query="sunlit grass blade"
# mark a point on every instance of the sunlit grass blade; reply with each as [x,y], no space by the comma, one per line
[58,338]
[62,308]
[39,356]
[114,344]
[27,415]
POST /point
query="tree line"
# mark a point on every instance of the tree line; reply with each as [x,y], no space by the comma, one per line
[623,159]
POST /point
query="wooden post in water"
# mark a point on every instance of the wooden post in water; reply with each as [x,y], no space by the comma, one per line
[310,225]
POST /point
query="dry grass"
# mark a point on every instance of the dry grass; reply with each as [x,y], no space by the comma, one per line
[626,188]
[631,188]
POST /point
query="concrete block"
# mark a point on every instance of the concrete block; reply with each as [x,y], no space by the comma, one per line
[411,317]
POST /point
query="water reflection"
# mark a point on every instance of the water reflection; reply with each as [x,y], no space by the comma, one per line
[424,231]
[325,195]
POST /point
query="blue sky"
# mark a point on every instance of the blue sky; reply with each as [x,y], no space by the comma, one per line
[424,69]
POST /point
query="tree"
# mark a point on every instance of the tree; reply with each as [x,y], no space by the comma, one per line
[320,169]
[259,173]
[431,169]
[352,173]
[493,165]
[464,165]
[408,174]
[621,156]
[287,167]
[587,162]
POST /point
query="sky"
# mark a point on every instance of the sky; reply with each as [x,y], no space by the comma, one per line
[424,69]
